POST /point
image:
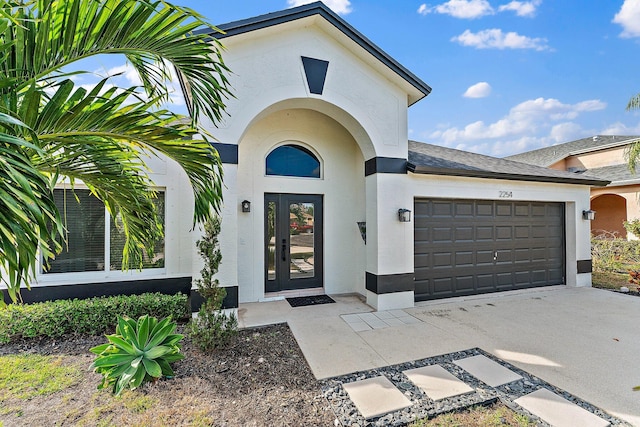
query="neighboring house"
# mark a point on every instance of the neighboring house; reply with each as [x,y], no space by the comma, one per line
[316,135]
[602,157]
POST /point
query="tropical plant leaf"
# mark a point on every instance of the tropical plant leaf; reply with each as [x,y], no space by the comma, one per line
[153,369]
[130,367]
[50,130]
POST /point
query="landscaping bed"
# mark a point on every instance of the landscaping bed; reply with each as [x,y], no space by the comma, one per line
[261,379]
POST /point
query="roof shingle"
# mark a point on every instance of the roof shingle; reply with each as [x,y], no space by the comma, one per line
[436,160]
[549,155]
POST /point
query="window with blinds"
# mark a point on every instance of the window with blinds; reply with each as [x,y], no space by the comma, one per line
[84,218]
[88,240]
[116,238]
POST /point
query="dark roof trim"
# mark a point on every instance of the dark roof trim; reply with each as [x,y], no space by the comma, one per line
[429,170]
[318,8]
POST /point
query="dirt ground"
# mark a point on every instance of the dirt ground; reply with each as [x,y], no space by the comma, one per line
[261,379]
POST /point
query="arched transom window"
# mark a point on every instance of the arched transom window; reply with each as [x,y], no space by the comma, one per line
[293,160]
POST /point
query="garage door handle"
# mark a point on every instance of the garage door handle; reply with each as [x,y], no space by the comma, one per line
[284,249]
[495,256]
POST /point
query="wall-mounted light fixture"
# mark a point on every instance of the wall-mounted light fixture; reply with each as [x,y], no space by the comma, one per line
[404,215]
[246,206]
[589,215]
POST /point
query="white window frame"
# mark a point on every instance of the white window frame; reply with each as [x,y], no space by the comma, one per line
[106,274]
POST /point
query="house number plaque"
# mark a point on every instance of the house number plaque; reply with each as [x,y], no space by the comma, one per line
[505,194]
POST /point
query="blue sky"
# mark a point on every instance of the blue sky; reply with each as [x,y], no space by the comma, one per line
[507,76]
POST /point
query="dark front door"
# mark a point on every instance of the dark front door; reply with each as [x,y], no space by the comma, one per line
[293,241]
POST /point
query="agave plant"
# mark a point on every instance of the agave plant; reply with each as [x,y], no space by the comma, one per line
[138,352]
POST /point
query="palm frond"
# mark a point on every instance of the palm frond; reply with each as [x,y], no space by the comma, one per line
[29,219]
[632,155]
[634,103]
[81,118]
[50,129]
[152,35]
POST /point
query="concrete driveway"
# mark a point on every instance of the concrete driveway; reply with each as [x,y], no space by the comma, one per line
[583,340]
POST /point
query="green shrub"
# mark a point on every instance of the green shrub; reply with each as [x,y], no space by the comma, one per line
[614,255]
[86,317]
[138,352]
[633,227]
[212,327]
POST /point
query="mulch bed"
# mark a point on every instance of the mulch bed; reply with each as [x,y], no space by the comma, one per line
[261,379]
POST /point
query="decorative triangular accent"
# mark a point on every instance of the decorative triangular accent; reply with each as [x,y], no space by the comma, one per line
[316,72]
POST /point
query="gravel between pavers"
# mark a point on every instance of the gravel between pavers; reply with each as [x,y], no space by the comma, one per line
[423,407]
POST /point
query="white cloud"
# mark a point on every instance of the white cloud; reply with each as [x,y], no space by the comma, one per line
[464,9]
[619,128]
[478,90]
[522,8]
[128,72]
[564,132]
[528,118]
[495,39]
[125,76]
[629,18]
[341,7]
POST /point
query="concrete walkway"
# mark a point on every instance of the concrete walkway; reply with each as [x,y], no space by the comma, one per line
[585,341]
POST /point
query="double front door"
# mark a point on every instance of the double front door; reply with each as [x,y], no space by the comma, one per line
[293,241]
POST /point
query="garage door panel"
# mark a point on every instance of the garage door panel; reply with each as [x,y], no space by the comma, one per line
[464,259]
[538,210]
[442,209]
[464,234]
[465,247]
[442,259]
[504,280]
[555,252]
[464,284]
[504,209]
[556,275]
[504,232]
[443,234]
[421,234]
[555,210]
[486,282]
[484,209]
[463,209]
[523,255]
[484,233]
[443,285]
[522,232]
[484,257]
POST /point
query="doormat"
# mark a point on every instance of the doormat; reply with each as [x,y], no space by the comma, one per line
[312,300]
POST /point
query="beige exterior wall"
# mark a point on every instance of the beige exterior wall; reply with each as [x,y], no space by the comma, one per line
[630,193]
[598,159]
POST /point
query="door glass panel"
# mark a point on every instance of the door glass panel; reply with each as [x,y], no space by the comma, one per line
[301,240]
[271,240]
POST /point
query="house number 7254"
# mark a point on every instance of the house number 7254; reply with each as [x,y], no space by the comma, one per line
[505,194]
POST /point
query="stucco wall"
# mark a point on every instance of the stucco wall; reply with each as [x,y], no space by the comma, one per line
[267,70]
[598,159]
[341,184]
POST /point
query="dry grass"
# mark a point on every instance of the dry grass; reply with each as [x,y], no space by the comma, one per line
[497,415]
[611,280]
[263,380]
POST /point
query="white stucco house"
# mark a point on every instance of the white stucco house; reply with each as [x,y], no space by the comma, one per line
[324,192]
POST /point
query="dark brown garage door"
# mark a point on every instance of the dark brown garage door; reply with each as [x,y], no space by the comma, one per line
[467,247]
